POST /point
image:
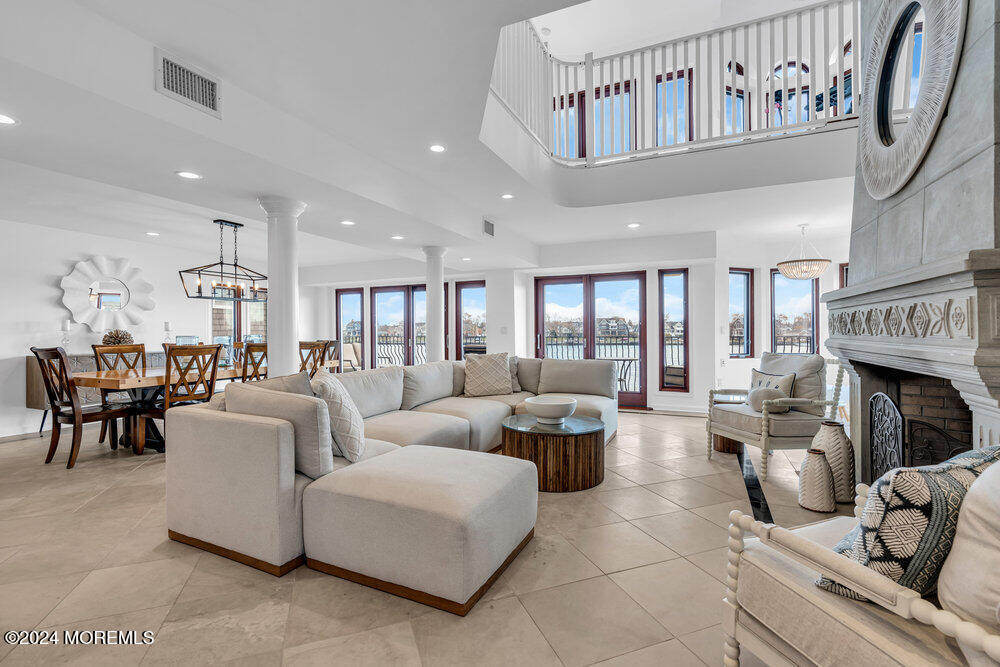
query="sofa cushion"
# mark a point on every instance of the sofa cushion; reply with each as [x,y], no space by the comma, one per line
[292,384]
[346,422]
[432,520]
[528,373]
[589,405]
[909,521]
[309,416]
[411,427]
[487,374]
[810,379]
[513,400]
[373,448]
[742,417]
[423,383]
[458,378]
[515,384]
[485,418]
[375,391]
[581,376]
[829,629]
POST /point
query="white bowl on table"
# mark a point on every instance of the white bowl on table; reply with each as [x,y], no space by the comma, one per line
[550,409]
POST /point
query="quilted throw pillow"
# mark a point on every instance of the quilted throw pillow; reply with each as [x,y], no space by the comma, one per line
[909,520]
[487,374]
[346,423]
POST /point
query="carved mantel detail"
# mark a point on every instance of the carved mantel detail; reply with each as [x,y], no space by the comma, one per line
[946,317]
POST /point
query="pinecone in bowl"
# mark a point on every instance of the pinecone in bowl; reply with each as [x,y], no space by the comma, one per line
[117,337]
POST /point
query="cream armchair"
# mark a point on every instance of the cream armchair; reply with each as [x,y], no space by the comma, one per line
[770,429]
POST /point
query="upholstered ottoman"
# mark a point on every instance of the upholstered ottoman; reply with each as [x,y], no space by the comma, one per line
[430,524]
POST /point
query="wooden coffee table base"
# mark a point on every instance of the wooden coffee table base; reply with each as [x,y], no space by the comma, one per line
[721,443]
[564,462]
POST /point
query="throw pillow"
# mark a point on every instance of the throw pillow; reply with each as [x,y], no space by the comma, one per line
[756,398]
[909,520]
[487,375]
[515,385]
[346,423]
[782,383]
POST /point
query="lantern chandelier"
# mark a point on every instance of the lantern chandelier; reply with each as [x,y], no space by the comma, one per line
[808,265]
[227,281]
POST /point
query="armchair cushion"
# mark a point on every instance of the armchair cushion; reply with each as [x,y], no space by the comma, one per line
[756,398]
[809,378]
[742,417]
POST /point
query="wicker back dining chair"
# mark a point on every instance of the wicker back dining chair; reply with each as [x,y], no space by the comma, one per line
[312,354]
[65,402]
[254,362]
[117,357]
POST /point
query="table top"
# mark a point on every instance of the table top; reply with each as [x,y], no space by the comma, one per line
[151,377]
[525,423]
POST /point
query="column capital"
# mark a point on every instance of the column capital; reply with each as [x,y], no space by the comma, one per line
[276,206]
[436,251]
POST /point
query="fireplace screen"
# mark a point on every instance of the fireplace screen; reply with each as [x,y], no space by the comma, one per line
[886,435]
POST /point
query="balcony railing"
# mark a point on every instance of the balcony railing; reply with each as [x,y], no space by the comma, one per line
[623,350]
[791,72]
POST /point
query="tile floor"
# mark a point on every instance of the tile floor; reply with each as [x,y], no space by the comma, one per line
[628,573]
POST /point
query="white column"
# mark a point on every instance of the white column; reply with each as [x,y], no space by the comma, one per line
[282,283]
[435,302]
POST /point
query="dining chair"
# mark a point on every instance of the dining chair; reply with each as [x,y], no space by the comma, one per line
[64,402]
[189,377]
[239,349]
[255,362]
[117,357]
[312,354]
[331,359]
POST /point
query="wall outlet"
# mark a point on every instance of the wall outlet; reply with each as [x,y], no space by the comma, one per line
[722,362]
[503,331]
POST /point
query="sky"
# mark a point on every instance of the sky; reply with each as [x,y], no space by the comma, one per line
[792,297]
[613,298]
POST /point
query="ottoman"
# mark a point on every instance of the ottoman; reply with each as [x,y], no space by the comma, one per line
[431,524]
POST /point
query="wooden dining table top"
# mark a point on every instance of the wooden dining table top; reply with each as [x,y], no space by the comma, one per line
[138,378]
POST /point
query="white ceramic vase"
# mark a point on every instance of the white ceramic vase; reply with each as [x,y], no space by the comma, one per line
[832,439]
[816,483]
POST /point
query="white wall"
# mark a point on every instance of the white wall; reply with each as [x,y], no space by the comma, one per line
[33,260]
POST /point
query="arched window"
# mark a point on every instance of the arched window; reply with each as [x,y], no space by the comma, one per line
[791,94]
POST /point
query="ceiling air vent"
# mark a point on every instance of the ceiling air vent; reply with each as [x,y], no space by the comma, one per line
[188,84]
[488,228]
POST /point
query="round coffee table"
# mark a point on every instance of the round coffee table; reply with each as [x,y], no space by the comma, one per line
[569,456]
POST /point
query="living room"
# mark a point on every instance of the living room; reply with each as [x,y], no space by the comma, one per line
[618,331]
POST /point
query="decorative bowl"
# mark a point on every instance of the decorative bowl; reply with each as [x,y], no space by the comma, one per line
[550,409]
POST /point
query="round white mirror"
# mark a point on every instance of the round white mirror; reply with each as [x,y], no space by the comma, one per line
[108,294]
[105,293]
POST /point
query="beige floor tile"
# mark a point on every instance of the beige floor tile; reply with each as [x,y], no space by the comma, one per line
[671,653]
[7,552]
[26,603]
[788,516]
[729,482]
[636,502]
[690,493]
[148,541]
[653,452]
[719,513]
[324,607]
[221,628]
[54,501]
[678,594]
[563,513]
[619,546]
[614,456]
[697,465]
[388,645]
[684,532]
[646,473]
[44,559]
[117,590]
[713,561]
[214,575]
[592,620]
[707,645]
[129,495]
[497,633]
[546,561]
[612,481]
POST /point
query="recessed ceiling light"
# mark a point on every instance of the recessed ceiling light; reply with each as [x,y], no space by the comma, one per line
[190,175]
[506,195]
[7,120]
[466,259]
[152,233]
[437,148]
[347,223]
[397,237]
[633,225]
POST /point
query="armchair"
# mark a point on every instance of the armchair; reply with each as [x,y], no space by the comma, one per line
[773,608]
[770,428]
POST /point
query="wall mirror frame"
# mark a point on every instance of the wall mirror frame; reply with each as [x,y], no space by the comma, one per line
[107,293]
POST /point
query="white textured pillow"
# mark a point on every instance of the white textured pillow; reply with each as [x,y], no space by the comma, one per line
[756,398]
[487,375]
[346,423]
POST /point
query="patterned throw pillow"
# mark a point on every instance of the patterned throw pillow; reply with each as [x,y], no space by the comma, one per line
[487,374]
[782,383]
[346,424]
[908,523]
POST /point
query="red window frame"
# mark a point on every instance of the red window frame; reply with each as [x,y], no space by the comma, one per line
[459,286]
[689,116]
[360,291]
[750,323]
[687,329]
[815,316]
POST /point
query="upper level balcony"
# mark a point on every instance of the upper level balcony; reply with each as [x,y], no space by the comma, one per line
[787,76]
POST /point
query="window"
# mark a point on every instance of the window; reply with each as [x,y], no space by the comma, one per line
[399,325]
[674,331]
[235,321]
[673,107]
[614,115]
[741,321]
[567,136]
[791,104]
[350,330]
[470,317]
[740,111]
[843,274]
[794,304]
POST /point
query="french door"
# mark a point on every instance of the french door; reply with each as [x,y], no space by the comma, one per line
[399,325]
[596,316]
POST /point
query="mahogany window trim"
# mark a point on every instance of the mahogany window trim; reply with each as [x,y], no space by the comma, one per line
[687,329]
[750,324]
[459,286]
[409,334]
[689,118]
[360,291]
[578,101]
[815,316]
[842,271]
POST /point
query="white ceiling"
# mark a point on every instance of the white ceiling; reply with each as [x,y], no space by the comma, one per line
[331,103]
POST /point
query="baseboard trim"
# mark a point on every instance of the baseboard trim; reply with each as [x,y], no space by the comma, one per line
[262,565]
[458,608]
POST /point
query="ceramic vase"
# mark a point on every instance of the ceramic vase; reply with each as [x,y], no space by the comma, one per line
[816,483]
[832,439]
